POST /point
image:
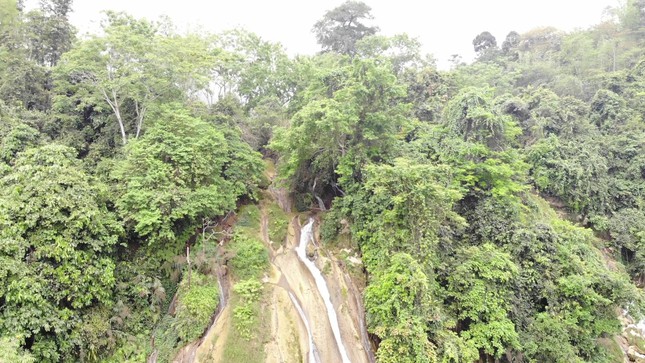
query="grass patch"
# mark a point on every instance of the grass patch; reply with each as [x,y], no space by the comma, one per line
[612,350]
[278,223]
[269,168]
[248,219]
[245,314]
[250,257]
[248,335]
[166,339]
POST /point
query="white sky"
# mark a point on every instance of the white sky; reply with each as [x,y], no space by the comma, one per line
[444,27]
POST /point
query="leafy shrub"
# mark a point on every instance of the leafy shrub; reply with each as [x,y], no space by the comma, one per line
[196,306]
[250,256]
[247,312]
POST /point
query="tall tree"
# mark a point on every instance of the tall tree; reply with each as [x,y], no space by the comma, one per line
[340,28]
[132,66]
[351,117]
[250,68]
[510,44]
[483,41]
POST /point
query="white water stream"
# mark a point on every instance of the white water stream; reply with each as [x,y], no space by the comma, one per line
[306,235]
[312,356]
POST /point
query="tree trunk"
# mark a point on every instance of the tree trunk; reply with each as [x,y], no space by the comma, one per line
[114,105]
[141,113]
[190,269]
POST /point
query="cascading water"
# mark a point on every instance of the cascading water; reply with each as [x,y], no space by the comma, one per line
[305,237]
[312,356]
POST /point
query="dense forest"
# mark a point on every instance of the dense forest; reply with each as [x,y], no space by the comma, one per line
[497,209]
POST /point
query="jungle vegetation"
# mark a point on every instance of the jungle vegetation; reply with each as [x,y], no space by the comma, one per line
[499,206]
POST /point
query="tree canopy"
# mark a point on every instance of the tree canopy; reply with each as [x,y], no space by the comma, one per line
[340,28]
[492,212]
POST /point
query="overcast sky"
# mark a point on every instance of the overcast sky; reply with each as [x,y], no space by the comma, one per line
[445,27]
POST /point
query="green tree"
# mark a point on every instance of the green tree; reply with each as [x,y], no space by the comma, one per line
[134,65]
[15,135]
[401,50]
[396,302]
[485,45]
[56,235]
[178,174]
[351,117]
[340,28]
[480,286]
[405,207]
[510,44]
[31,43]
[250,68]
[48,32]
[471,115]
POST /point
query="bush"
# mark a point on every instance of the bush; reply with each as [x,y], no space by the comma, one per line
[195,307]
[246,313]
[250,256]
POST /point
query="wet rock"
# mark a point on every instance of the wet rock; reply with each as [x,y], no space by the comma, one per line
[345,226]
[311,252]
[635,356]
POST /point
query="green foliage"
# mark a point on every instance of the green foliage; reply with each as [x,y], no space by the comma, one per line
[166,339]
[128,69]
[195,306]
[402,51]
[134,350]
[403,209]
[340,28]
[248,218]
[10,351]
[396,302]
[57,236]
[250,257]
[278,223]
[431,172]
[480,287]
[176,175]
[15,135]
[470,115]
[572,170]
[352,117]
[608,110]
[331,226]
[255,71]
[246,313]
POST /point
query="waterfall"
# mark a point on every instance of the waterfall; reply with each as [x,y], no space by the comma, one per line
[306,236]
